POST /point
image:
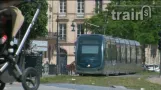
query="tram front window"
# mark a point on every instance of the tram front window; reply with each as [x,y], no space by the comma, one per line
[89,53]
[88,49]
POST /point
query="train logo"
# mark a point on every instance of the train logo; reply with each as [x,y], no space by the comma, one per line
[133,14]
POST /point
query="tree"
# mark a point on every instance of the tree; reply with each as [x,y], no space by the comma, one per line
[28,10]
[145,31]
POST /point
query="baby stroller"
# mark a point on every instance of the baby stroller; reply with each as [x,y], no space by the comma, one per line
[10,68]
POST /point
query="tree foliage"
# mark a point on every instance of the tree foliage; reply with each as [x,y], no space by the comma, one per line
[144,31]
[28,10]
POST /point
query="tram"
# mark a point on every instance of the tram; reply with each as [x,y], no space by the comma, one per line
[99,54]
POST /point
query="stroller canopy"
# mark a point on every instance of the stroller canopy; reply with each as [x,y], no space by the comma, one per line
[7,7]
[17,18]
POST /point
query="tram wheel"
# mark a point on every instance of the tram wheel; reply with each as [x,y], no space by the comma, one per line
[2,85]
[30,79]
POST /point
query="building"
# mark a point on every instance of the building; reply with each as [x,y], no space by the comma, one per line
[68,12]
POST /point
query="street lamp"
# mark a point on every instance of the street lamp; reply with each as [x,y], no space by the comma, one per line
[73,26]
[57,47]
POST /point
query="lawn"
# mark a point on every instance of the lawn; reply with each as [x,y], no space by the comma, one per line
[132,82]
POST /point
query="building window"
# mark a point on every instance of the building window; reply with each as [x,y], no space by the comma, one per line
[62,31]
[80,6]
[98,6]
[63,6]
[50,8]
[80,29]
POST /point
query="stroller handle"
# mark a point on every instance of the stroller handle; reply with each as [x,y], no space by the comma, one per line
[28,30]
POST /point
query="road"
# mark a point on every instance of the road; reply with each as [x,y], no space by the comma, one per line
[62,86]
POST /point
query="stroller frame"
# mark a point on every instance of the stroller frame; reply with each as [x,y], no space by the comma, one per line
[20,76]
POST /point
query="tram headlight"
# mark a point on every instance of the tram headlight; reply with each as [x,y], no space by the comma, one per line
[88,65]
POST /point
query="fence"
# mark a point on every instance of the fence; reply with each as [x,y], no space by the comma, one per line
[34,61]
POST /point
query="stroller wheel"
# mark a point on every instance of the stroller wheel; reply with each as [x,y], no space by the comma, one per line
[2,85]
[30,79]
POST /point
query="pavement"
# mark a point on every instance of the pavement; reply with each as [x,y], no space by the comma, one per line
[155,79]
[42,87]
[64,86]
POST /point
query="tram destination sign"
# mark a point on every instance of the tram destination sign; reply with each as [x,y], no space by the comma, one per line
[39,45]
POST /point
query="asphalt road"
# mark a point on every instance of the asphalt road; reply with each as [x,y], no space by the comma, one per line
[62,86]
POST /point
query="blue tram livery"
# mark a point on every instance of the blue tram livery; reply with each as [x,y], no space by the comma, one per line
[99,54]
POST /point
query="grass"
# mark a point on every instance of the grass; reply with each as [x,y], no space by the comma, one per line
[148,73]
[129,82]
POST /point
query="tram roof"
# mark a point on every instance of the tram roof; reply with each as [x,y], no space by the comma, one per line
[132,42]
[126,41]
[118,40]
[123,41]
[108,37]
[137,43]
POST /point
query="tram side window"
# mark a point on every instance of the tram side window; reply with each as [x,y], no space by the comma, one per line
[106,51]
[113,51]
[133,54]
[109,52]
[118,52]
[122,53]
[136,53]
[125,53]
[128,53]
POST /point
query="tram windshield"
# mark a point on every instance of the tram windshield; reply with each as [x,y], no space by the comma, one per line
[89,50]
